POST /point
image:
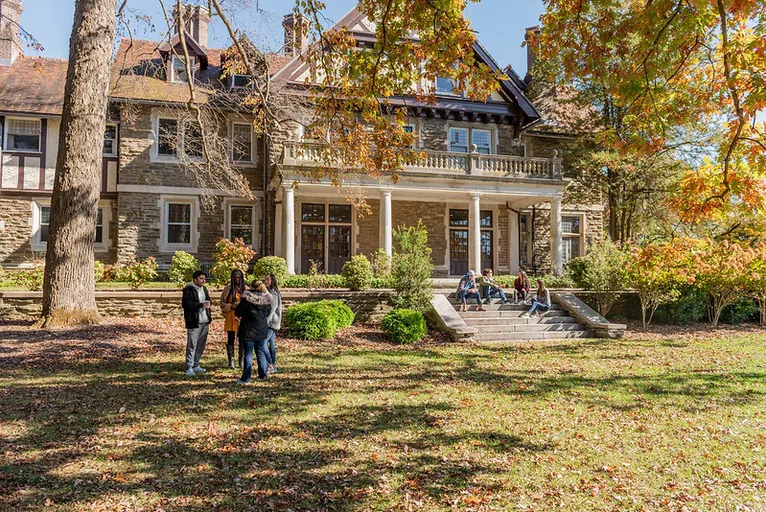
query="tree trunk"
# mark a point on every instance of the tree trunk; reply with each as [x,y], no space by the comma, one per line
[69,296]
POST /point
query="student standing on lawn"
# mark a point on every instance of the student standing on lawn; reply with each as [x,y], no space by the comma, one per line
[253,311]
[467,289]
[490,288]
[540,303]
[521,287]
[196,304]
[230,297]
[275,320]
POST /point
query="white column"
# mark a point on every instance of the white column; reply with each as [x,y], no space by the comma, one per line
[288,209]
[386,224]
[513,242]
[474,233]
[556,236]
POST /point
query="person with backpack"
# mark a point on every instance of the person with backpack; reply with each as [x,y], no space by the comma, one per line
[275,320]
[230,297]
[196,304]
[253,311]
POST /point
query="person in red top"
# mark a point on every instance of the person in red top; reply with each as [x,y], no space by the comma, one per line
[521,287]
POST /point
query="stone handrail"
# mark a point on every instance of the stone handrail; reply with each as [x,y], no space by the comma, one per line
[309,153]
[601,327]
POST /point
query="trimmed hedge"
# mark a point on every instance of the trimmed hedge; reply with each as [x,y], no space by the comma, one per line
[329,281]
[318,320]
[404,325]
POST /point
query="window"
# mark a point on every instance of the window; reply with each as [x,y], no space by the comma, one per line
[458,140]
[179,69]
[447,86]
[326,236]
[192,138]
[241,223]
[242,142]
[110,139]
[571,237]
[45,220]
[525,242]
[482,140]
[312,212]
[340,213]
[100,226]
[240,81]
[458,218]
[22,134]
[167,138]
[485,218]
[178,223]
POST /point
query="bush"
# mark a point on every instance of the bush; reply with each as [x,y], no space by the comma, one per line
[98,270]
[230,255]
[690,307]
[740,312]
[411,268]
[381,263]
[314,281]
[551,281]
[382,282]
[30,278]
[404,325]
[358,273]
[136,272]
[603,271]
[182,267]
[271,265]
[317,320]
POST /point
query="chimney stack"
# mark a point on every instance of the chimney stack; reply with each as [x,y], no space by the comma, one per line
[296,34]
[196,21]
[532,38]
[10,31]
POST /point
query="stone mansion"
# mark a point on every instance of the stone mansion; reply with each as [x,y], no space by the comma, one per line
[490,190]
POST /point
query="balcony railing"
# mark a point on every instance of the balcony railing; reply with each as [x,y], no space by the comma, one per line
[445,162]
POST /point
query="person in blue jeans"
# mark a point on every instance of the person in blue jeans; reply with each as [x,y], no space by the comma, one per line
[489,288]
[467,289]
[275,320]
[542,302]
[253,311]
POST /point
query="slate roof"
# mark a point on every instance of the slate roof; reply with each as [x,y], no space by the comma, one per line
[33,84]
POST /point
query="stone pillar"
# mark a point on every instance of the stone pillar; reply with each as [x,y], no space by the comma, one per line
[474,233]
[556,258]
[288,210]
[513,242]
[386,224]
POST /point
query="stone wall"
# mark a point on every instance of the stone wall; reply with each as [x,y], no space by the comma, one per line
[15,231]
[434,218]
[368,229]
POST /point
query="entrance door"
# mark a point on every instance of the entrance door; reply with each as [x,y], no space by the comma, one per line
[458,252]
[312,247]
[486,250]
[339,248]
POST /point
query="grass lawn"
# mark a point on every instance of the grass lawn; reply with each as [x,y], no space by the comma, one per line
[103,419]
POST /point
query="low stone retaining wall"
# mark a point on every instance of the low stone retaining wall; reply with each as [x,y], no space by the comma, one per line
[369,306]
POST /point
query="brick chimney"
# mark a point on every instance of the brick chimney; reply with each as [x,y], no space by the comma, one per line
[296,34]
[532,39]
[10,30]
[196,21]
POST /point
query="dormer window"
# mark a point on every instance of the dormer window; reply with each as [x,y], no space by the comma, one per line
[178,69]
[240,82]
[447,86]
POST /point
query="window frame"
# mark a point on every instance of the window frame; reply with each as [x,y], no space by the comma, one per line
[115,148]
[165,245]
[467,140]
[452,92]
[526,259]
[246,77]
[327,225]
[39,134]
[173,76]
[579,236]
[251,158]
[470,129]
[489,139]
[230,224]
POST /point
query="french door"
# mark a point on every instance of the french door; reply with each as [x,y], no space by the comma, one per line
[326,237]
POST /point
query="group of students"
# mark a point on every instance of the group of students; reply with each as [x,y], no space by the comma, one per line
[251,316]
[473,287]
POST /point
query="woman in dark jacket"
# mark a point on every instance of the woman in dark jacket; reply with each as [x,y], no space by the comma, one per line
[253,311]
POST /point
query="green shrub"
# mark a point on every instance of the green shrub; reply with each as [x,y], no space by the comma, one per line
[358,273]
[381,263]
[343,315]
[230,255]
[136,272]
[317,320]
[98,270]
[740,312]
[411,268]
[382,282]
[603,271]
[182,267]
[404,325]
[550,280]
[271,265]
[30,278]
[690,307]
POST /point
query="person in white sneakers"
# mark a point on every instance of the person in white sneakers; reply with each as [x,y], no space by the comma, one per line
[542,302]
[196,305]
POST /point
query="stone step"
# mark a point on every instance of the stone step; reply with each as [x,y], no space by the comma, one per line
[467,315]
[509,320]
[472,306]
[518,328]
[532,336]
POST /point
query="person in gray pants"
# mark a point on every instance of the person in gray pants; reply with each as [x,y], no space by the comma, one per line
[196,305]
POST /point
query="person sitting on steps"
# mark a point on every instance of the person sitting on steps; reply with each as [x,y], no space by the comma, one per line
[467,289]
[540,303]
[521,287]
[489,288]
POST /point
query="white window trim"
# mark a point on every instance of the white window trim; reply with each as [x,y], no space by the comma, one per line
[116,139]
[493,135]
[488,130]
[233,77]
[227,204]
[193,65]
[106,219]
[437,92]
[467,134]
[581,236]
[38,151]
[417,143]
[164,245]
[252,142]
[155,137]
[34,240]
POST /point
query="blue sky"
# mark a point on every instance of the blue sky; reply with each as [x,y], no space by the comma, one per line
[500,24]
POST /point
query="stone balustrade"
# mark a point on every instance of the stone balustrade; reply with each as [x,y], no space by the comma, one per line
[444,162]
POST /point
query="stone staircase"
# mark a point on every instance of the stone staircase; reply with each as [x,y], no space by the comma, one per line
[504,322]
